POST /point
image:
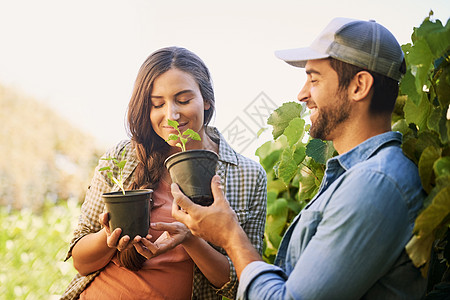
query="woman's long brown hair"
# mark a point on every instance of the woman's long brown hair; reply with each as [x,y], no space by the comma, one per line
[151,149]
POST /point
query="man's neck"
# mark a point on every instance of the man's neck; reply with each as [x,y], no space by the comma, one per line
[351,135]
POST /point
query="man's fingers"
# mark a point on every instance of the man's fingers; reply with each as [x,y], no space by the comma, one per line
[149,245]
[163,226]
[178,214]
[181,199]
[144,251]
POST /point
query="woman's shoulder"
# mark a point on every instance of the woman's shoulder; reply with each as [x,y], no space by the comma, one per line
[117,150]
[229,155]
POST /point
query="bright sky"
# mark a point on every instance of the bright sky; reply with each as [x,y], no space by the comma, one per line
[81,57]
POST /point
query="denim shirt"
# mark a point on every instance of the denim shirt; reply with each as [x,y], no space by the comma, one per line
[348,242]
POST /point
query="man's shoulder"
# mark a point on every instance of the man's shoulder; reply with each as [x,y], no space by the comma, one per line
[392,162]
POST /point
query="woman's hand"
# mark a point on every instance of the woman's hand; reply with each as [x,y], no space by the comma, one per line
[173,235]
[112,239]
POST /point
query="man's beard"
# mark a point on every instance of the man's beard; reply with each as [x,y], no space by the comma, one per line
[329,117]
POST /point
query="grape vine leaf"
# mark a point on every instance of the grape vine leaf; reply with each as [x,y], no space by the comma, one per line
[277,212]
[441,166]
[287,167]
[319,150]
[295,130]
[418,114]
[426,161]
[281,117]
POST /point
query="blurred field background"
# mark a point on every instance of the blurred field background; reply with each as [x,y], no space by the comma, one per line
[45,166]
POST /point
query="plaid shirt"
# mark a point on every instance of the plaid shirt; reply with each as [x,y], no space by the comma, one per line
[244,183]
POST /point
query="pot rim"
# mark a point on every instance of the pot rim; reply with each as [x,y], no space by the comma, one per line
[187,152]
[119,194]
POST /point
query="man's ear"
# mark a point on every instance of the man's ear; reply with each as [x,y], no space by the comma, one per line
[361,86]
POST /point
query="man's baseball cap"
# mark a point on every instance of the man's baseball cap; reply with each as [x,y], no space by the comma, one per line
[365,44]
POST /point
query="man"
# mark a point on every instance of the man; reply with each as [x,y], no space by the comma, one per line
[348,242]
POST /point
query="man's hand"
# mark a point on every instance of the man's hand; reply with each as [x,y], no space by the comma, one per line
[174,234]
[213,223]
[217,224]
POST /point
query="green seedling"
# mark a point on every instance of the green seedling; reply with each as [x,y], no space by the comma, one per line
[120,165]
[183,137]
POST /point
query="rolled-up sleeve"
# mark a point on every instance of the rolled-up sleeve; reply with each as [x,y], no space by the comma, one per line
[270,280]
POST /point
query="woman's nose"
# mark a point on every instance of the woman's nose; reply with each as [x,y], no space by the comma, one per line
[173,112]
[304,93]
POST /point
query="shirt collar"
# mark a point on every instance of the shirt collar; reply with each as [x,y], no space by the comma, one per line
[226,153]
[366,149]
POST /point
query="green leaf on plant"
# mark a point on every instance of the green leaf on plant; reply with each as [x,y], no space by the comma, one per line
[419,248]
[426,161]
[268,154]
[401,126]
[420,60]
[295,130]
[299,154]
[436,36]
[443,84]
[319,150]
[121,164]
[287,167]
[276,185]
[172,137]
[192,134]
[418,114]
[408,87]
[434,214]
[173,123]
[438,123]
[104,169]
[277,212]
[308,186]
[281,117]
[441,166]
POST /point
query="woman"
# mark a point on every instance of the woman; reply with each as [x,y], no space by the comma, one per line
[173,83]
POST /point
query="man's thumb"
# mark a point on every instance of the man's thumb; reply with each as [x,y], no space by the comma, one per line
[216,188]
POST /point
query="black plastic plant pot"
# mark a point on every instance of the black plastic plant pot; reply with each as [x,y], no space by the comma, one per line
[130,212]
[193,170]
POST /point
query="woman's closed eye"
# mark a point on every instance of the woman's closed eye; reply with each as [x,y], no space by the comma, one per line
[184,101]
[157,105]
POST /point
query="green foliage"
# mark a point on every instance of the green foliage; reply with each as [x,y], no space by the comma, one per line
[294,169]
[32,251]
[120,164]
[183,137]
[426,91]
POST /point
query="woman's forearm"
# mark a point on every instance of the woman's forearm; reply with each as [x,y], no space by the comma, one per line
[213,264]
[92,253]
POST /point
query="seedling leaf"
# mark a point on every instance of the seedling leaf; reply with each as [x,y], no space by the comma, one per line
[121,164]
[173,123]
[172,137]
[183,137]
